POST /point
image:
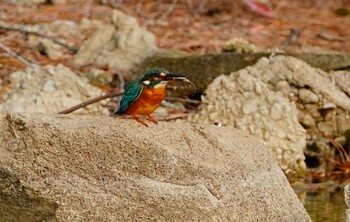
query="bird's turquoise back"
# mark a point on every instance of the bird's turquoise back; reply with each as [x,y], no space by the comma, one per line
[132,92]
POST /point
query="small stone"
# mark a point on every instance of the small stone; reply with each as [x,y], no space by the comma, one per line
[276,111]
[329,105]
[258,88]
[51,70]
[284,87]
[240,45]
[326,127]
[49,86]
[213,116]
[307,96]
[49,48]
[308,121]
[313,110]
[250,106]
[343,122]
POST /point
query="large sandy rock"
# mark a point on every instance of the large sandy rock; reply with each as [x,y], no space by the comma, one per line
[120,45]
[50,90]
[80,168]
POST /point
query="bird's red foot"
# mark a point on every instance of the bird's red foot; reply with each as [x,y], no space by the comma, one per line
[151,119]
[140,121]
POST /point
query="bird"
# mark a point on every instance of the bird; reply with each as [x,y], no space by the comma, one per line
[143,95]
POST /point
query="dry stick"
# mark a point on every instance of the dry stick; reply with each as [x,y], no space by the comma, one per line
[91,101]
[25,30]
[169,10]
[121,80]
[340,148]
[23,59]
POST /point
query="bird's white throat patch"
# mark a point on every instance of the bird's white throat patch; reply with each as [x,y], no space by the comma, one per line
[146,82]
[162,84]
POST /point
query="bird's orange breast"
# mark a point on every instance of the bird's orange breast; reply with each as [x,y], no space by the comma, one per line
[148,101]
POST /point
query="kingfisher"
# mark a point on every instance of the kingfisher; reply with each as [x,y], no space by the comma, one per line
[143,95]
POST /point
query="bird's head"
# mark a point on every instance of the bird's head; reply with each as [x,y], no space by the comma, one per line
[159,77]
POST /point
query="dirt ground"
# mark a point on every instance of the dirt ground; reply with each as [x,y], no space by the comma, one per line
[194,26]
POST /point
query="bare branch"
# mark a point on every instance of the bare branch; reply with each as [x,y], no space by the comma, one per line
[91,101]
[169,10]
[26,30]
[23,59]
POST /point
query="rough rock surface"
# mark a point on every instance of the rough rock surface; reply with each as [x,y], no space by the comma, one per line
[347,202]
[342,79]
[50,90]
[120,45]
[81,168]
[245,102]
[322,107]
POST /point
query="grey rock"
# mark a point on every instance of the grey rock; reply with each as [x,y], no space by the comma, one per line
[250,105]
[300,74]
[307,96]
[49,90]
[49,48]
[49,86]
[284,87]
[342,79]
[83,168]
[343,122]
[265,115]
[327,128]
[307,120]
[347,201]
[120,45]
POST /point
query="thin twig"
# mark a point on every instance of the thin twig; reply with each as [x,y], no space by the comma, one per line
[121,80]
[26,30]
[21,58]
[343,154]
[169,10]
[91,101]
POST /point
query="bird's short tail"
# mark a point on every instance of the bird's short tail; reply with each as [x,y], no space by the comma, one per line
[117,112]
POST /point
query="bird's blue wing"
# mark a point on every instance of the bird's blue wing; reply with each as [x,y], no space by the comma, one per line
[131,93]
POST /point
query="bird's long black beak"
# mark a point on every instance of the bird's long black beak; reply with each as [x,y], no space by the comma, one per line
[177,77]
[174,77]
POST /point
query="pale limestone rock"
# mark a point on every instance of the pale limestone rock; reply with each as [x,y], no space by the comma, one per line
[307,96]
[50,90]
[83,168]
[307,120]
[51,49]
[299,73]
[342,79]
[121,44]
[322,107]
[347,202]
[343,122]
[284,87]
[265,115]
[347,195]
[312,89]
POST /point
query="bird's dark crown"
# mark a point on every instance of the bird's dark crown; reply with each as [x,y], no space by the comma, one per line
[154,73]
